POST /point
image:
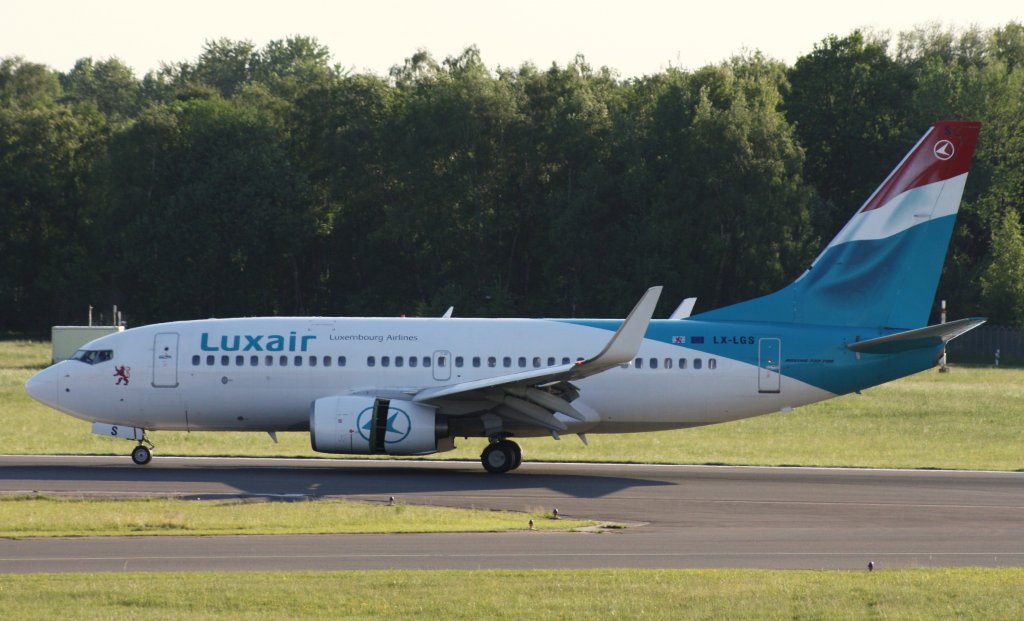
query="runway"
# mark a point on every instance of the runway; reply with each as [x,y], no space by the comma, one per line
[682,516]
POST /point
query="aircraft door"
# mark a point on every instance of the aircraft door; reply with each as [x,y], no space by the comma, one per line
[165,360]
[769,364]
[442,365]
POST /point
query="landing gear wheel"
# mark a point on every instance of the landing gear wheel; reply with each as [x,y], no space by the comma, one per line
[500,457]
[518,452]
[141,455]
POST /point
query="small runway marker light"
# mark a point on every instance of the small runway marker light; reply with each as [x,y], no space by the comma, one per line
[391,501]
[871,566]
[531,524]
[554,513]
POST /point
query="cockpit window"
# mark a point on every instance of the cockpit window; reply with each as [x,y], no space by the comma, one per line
[93,356]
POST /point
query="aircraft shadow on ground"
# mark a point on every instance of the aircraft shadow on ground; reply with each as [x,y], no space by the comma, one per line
[318,481]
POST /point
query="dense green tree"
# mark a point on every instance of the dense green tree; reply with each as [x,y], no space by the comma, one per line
[206,198]
[27,85]
[267,180]
[109,84]
[47,155]
[849,104]
[1002,282]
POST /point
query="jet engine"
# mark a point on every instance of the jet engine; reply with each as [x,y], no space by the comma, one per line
[368,425]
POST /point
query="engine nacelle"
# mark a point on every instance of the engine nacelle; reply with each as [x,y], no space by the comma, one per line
[365,425]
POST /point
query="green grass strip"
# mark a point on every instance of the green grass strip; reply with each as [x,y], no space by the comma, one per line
[927,594]
[35,516]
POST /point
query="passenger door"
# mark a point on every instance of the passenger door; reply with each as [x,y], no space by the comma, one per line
[165,360]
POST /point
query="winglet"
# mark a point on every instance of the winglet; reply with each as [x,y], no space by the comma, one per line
[684,309]
[626,341]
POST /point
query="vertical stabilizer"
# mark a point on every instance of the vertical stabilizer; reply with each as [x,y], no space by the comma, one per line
[883,267]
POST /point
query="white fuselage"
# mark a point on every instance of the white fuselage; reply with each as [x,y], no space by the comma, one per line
[264,374]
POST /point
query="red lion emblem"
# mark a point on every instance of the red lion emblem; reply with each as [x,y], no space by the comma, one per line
[122,373]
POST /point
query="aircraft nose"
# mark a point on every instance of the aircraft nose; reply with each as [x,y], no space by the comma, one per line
[43,387]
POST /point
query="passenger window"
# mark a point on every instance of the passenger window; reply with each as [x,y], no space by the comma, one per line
[458,361]
[426,361]
[413,360]
[668,363]
[551,361]
[284,361]
[225,361]
[385,361]
[195,361]
[682,364]
[638,363]
[522,362]
[399,361]
[341,361]
[269,361]
[239,361]
[536,362]
[254,361]
[492,361]
[209,360]
[476,361]
[506,362]
[298,361]
[565,360]
[327,361]
[654,363]
[442,361]
[312,361]
[697,363]
[712,363]
[371,361]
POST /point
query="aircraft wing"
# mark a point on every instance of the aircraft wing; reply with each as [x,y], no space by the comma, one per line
[533,396]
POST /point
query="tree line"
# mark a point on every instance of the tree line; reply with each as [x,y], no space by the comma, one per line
[268,181]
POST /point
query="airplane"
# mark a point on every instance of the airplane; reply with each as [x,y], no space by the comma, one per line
[856,318]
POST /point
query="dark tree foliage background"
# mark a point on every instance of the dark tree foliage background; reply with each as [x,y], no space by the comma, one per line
[271,182]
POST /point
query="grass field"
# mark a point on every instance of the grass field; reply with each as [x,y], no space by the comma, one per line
[970,418]
[34,516]
[925,594]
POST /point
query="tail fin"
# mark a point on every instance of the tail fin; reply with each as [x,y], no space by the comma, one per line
[883,267]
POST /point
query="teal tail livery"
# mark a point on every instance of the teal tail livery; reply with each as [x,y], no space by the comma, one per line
[883,267]
[411,386]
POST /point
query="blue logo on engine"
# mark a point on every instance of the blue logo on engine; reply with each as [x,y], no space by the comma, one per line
[399,425]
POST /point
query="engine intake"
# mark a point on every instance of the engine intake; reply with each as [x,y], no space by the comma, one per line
[365,425]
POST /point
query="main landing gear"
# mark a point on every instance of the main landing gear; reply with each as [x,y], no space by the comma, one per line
[501,455]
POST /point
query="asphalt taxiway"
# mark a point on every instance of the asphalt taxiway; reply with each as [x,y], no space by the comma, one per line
[681,516]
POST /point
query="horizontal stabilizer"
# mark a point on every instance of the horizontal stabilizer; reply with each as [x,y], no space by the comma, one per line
[917,339]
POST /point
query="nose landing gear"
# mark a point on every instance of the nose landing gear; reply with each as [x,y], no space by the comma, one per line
[141,455]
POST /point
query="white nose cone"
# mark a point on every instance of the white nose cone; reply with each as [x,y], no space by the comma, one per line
[43,387]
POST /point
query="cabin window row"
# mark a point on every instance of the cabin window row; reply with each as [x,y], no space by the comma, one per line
[667,363]
[506,362]
[269,361]
[491,362]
